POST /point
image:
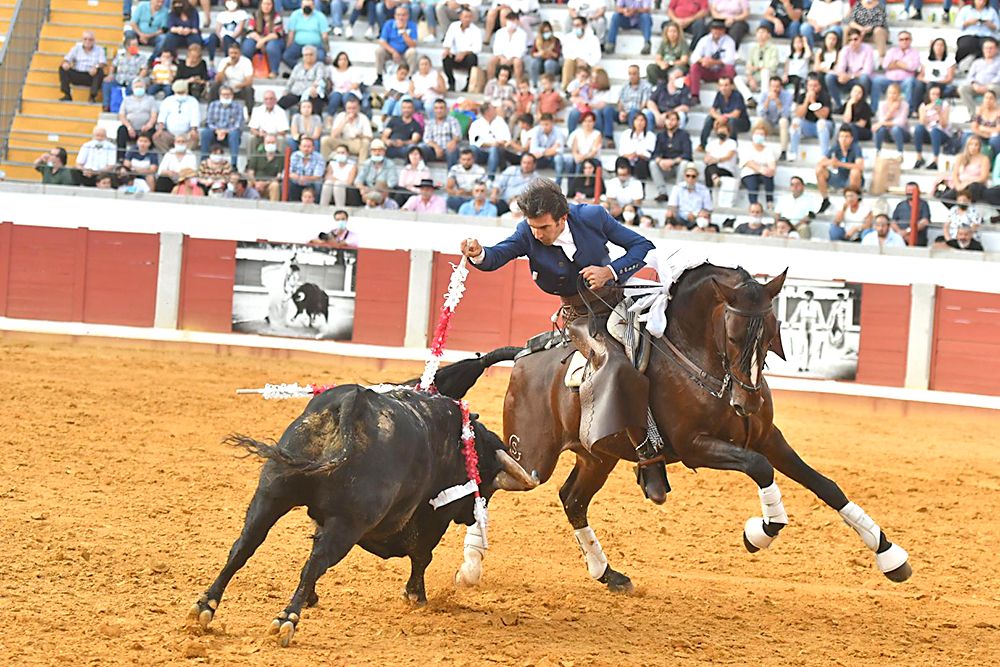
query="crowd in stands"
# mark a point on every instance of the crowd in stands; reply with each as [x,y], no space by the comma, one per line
[544,103]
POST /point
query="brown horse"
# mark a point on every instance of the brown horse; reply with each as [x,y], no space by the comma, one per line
[711,403]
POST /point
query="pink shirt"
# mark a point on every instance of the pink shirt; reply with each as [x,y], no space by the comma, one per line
[856,61]
[435,204]
[910,57]
[729,8]
[899,119]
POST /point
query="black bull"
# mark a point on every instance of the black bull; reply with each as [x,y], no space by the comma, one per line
[312,300]
[366,465]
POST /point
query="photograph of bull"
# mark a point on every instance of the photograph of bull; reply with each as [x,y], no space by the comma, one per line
[366,465]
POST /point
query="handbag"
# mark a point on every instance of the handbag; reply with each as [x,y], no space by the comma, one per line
[260,67]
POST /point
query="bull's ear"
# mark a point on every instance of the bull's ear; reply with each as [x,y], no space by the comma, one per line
[726,294]
[775,344]
[773,287]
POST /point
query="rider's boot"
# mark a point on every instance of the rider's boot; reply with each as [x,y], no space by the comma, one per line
[651,474]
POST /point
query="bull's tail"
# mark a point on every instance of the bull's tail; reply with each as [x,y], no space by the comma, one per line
[455,380]
[299,464]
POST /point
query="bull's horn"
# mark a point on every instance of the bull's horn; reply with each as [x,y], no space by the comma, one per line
[513,477]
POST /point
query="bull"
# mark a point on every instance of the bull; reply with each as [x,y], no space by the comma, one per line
[312,300]
[366,465]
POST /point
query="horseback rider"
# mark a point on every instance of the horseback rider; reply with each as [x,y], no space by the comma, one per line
[565,244]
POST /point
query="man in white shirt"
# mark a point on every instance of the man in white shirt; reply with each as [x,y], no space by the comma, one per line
[714,56]
[236,72]
[595,11]
[462,43]
[265,119]
[179,115]
[462,179]
[883,236]
[798,207]
[173,162]
[624,189]
[546,142]
[489,136]
[96,157]
[580,46]
[509,47]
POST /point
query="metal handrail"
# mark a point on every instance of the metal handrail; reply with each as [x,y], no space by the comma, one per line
[15,58]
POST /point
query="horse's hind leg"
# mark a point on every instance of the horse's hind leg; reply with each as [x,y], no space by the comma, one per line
[586,479]
[891,558]
[265,509]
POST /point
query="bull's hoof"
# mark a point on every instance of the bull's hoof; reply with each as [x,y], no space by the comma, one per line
[284,627]
[203,611]
[617,582]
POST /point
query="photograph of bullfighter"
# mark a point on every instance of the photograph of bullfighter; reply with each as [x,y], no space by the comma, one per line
[293,290]
[366,464]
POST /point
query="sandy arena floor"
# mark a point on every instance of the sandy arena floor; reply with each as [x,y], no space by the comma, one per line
[120,506]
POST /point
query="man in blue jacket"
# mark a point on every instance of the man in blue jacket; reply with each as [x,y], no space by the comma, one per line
[565,244]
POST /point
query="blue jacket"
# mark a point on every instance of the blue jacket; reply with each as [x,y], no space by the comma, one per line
[592,228]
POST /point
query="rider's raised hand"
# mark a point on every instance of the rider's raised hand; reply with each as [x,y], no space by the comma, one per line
[471,248]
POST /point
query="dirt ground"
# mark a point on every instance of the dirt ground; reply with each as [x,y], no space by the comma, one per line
[120,505]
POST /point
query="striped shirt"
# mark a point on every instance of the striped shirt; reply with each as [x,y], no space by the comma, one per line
[300,165]
[82,60]
[441,132]
[127,67]
[635,97]
[222,117]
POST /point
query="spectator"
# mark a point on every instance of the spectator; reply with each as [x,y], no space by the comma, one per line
[463,42]
[520,132]
[672,52]
[308,81]
[671,95]
[350,128]
[215,167]
[52,166]
[402,131]
[377,199]
[397,88]
[265,168]
[594,12]
[549,100]
[713,57]
[624,189]
[104,182]
[938,67]
[757,166]
[236,73]
[370,6]
[442,134]
[824,17]
[970,172]
[426,85]
[883,236]
[340,236]
[545,53]
[162,76]
[811,117]
[305,124]
[95,157]
[798,63]
[690,201]
[305,170]
[149,24]
[962,214]
[509,47]
[377,173]
[478,206]
[721,155]
[397,42]
[239,188]
[512,182]
[231,25]
[82,66]
[584,142]
[341,172]
[858,114]
[194,71]
[345,81]
[892,120]
[671,152]
[500,92]
[179,115]
[489,136]
[691,16]
[637,146]
[845,157]
[426,201]
[826,56]
[734,13]
[182,27]
[963,240]
[754,225]
[774,112]
[580,48]
[127,66]
[782,230]
[631,14]
[141,161]
[984,74]
[268,118]
[762,61]
[583,188]
[603,104]
[797,207]
[978,22]
[128,183]
[173,163]
[411,175]
[783,18]
[306,27]
[633,98]
[446,13]
[902,215]
[853,219]
[729,108]
[462,178]
[901,64]
[266,35]
[223,125]
[187,184]
[136,117]
[870,19]
[855,64]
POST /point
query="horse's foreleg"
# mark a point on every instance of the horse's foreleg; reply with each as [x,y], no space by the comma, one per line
[708,452]
[891,558]
[585,480]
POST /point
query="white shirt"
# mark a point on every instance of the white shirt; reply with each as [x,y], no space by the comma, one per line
[236,74]
[642,146]
[179,114]
[747,152]
[268,122]
[796,209]
[230,21]
[624,193]
[718,149]
[587,8]
[510,44]
[892,239]
[586,48]
[484,132]
[175,162]
[827,13]
[566,242]
[96,155]
[461,41]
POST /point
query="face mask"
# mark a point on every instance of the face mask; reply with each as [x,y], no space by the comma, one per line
[377,158]
[546,35]
[341,158]
[270,148]
[962,207]
[341,224]
[759,139]
[231,5]
[307,10]
[180,148]
[180,96]
[138,92]
[226,101]
[628,216]
[132,50]
[578,32]
[218,159]
[722,136]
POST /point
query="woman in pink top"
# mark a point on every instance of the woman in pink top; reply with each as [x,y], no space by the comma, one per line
[934,126]
[971,172]
[892,119]
[735,13]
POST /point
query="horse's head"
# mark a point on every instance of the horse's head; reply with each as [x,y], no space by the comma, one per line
[749,329]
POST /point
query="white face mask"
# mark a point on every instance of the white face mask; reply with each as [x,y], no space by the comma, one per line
[138,92]
[628,216]
[218,159]
[226,101]
[270,148]
[231,5]
[180,148]
[377,158]
[341,158]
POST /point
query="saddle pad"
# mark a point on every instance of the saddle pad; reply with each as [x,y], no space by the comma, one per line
[575,370]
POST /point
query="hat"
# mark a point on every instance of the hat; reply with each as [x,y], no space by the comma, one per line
[377,143]
[180,87]
[427,183]
[717,23]
[186,173]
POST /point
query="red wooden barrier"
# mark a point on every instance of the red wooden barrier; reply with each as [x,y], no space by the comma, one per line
[121,277]
[383,289]
[208,272]
[6,232]
[885,326]
[966,352]
[46,273]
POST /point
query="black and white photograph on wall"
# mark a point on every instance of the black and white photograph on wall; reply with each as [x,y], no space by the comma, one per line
[294,290]
[820,329]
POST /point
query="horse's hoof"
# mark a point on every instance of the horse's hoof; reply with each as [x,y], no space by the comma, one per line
[751,548]
[468,576]
[894,563]
[617,582]
[900,574]
[755,536]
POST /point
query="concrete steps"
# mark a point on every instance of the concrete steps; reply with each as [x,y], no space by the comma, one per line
[65,110]
[91,19]
[73,31]
[95,6]
[53,124]
[20,172]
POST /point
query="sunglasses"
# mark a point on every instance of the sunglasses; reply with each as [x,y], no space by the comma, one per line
[690,175]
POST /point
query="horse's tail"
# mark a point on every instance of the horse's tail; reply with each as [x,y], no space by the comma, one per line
[455,380]
[337,451]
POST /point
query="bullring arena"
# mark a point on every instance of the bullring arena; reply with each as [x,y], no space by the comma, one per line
[121,503]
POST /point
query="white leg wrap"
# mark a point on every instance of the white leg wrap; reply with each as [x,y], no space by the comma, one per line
[472,569]
[771,505]
[862,524]
[593,554]
[753,530]
[891,559]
